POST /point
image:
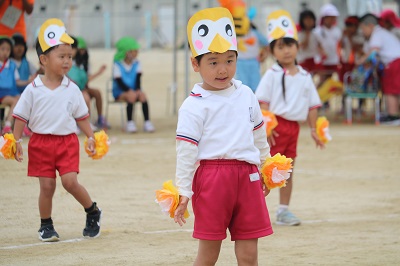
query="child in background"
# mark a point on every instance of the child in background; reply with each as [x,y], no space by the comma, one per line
[288,91]
[52,105]
[79,76]
[328,35]
[220,125]
[390,21]
[308,45]
[82,61]
[387,46]
[26,70]
[9,94]
[127,75]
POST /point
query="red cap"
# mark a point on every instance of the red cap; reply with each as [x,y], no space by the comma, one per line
[390,16]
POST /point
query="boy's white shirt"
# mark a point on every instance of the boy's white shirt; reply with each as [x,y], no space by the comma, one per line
[387,44]
[221,142]
[300,94]
[329,39]
[51,111]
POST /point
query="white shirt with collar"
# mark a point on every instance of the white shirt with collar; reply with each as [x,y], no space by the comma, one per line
[300,93]
[329,40]
[49,111]
[387,43]
[220,125]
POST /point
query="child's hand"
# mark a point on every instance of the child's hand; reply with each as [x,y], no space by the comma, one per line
[18,153]
[180,210]
[102,68]
[271,139]
[318,142]
[91,145]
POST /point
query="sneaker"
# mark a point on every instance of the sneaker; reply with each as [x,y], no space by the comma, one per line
[102,123]
[390,120]
[287,218]
[48,234]
[148,126]
[92,228]
[26,132]
[131,127]
[6,129]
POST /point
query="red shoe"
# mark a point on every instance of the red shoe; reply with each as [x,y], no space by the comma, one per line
[27,132]
[6,129]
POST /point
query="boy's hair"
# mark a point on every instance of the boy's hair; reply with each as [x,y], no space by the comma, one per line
[369,19]
[82,60]
[286,41]
[75,44]
[306,14]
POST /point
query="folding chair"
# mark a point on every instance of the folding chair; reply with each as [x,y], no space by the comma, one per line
[110,100]
[354,92]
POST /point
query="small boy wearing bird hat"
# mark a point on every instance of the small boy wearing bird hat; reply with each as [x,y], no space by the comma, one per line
[52,105]
[221,126]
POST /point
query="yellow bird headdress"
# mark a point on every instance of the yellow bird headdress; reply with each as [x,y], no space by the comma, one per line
[53,33]
[211,30]
[280,25]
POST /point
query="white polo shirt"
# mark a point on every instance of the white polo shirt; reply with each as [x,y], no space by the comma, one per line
[329,39]
[51,111]
[221,126]
[387,44]
[300,93]
[309,51]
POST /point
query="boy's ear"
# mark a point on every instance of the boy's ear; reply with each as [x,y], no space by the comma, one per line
[195,64]
[42,59]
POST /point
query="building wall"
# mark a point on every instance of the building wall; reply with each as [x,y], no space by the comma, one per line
[103,22]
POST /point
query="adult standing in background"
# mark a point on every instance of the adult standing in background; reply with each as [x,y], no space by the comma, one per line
[12,16]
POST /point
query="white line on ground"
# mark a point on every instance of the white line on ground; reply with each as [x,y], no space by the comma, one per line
[43,243]
[168,231]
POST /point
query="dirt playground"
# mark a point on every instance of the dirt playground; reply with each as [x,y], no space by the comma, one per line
[347,195]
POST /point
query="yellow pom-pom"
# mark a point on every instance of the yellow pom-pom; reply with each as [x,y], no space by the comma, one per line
[276,170]
[168,199]
[102,145]
[8,146]
[322,129]
[270,121]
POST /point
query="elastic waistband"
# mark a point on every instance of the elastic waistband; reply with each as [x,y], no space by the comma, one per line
[223,162]
[52,136]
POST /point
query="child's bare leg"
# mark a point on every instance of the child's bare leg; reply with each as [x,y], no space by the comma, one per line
[208,252]
[392,104]
[95,93]
[47,188]
[71,184]
[247,252]
[11,102]
[285,193]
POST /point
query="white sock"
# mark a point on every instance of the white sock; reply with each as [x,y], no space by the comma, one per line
[282,208]
[7,124]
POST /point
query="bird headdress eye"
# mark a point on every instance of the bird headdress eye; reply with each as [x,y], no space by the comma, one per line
[285,23]
[51,35]
[203,30]
[228,30]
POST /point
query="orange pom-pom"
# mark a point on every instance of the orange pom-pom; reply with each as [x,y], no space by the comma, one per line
[8,146]
[168,199]
[269,121]
[276,170]
[323,129]
[102,145]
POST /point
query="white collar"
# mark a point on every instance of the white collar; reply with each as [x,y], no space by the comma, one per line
[37,82]
[198,91]
[277,68]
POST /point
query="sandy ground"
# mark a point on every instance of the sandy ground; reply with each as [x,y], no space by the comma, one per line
[347,196]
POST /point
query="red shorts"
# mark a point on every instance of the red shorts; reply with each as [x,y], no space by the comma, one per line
[391,78]
[309,65]
[225,197]
[286,142]
[48,153]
